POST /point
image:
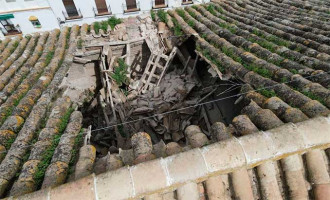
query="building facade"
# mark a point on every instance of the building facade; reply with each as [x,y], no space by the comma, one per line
[25,16]
[28,16]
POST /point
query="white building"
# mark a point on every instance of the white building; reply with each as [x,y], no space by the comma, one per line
[28,16]
[25,16]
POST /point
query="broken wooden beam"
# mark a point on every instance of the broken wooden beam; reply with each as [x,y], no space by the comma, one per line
[81,60]
[88,53]
[211,64]
[115,43]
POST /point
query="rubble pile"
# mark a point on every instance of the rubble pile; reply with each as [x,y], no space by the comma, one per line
[173,93]
[159,98]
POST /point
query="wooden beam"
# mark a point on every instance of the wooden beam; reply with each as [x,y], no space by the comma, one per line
[211,64]
[181,56]
[115,43]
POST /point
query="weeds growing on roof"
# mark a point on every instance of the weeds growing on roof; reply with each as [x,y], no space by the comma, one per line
[267,92]
[97,27]
[181,13]
[113,21]
[15,45]
[162,16]
[177,29]
[153,15]
[211,9]
[120,73]
[48,154]
[104,26]
[80,43]
[75,150]
[49,57]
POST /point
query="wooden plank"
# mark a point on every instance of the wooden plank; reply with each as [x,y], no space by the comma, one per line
[115,43]
[120,139]
[152,72]
[211,64]
[144,76]
[128,56]
[171,56]
[186,65]
[195,63]
[180,56]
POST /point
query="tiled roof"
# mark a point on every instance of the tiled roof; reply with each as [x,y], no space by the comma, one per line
[279,49]
[279,159]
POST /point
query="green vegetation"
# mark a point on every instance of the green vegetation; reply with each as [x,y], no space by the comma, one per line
[80,43]
[113,21]
[261,71]
[88,29]
[294,71]
[27,37]
[15,45]
[278,41]
[313,96]
[211,9]
[48,154]
[6,114]
[67,36]
[153,15]
[49,57]
[120,73]
[219,10]
[74,152]
[226,26]
[65,120]
[177,28]
[162,16]
[271,38]
[275,62]
[298,49]
[267,45]
[232,29]
[250,66]
[24,160]
[181,13]
[97,27]
[45,161]
[104,26]
[191,23]
[193,14]
[284,80]
[267,93]
[8,143]
[206,53]
[16,101]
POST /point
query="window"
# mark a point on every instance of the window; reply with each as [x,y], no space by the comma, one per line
[101,7]
[131,6]
[187,1]
[8,27]
[35,21]
[71,9]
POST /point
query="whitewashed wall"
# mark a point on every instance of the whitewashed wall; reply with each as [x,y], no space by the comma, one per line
[22,10]
[22,4]
[46,18]
[50,11]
